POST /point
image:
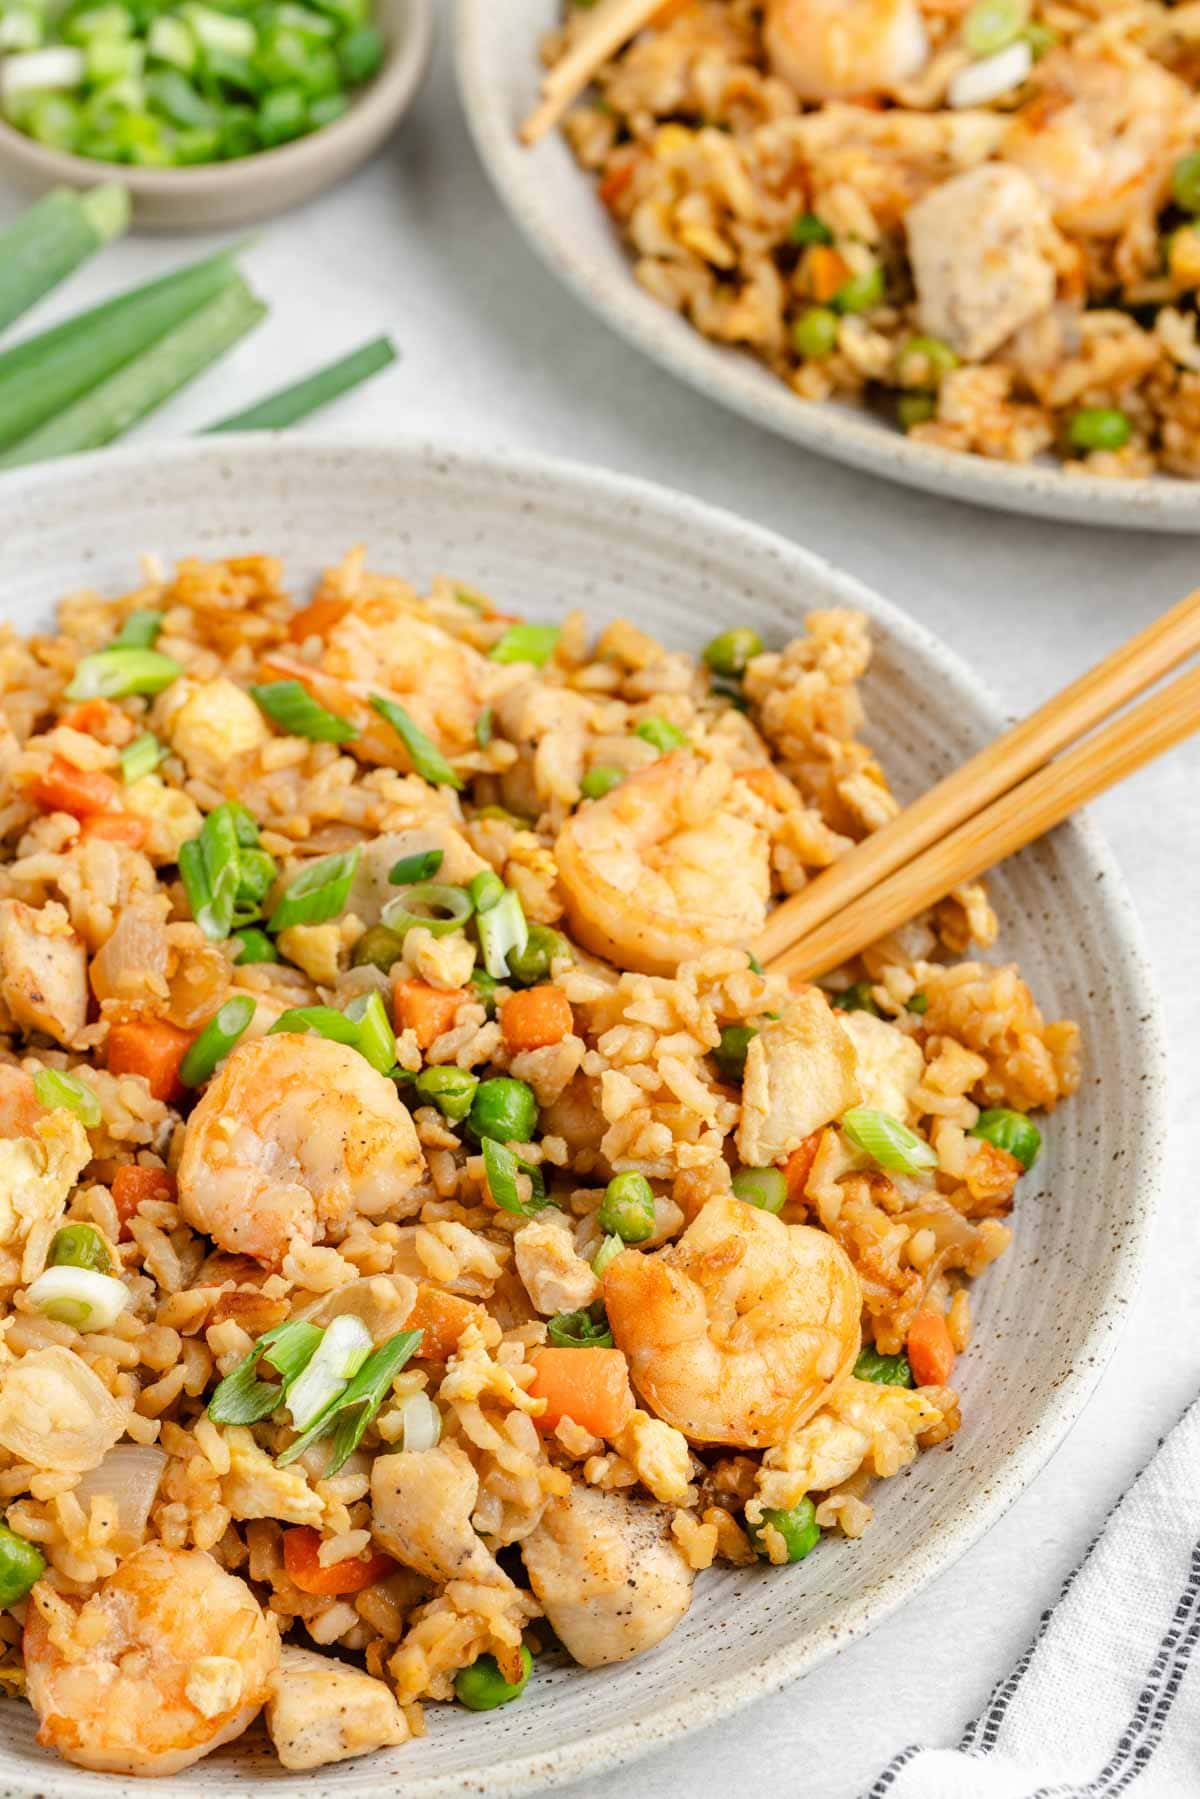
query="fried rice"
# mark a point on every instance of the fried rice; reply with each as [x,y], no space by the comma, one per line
[979,220]
[655,1262]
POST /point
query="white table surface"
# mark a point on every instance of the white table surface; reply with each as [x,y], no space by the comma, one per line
[495,354]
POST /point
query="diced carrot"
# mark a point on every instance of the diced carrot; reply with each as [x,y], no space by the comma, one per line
[301,1558]
[798,1166]
[443,1317]
[615,182]
[133,1186]
[117,827]
[89,716]
[590,1386]
[827,271]
[424,1009]
[930,1351]
[536,1018]
[317,619]
[151,1047]
[81,791]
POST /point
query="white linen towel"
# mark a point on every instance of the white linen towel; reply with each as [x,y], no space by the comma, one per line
[1106,1699]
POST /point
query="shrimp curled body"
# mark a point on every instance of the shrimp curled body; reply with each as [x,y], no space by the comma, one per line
[738,1332]
[294,1138]
[837,49]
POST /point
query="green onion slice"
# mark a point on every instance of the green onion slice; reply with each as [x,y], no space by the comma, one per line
[319,892]
[289,705]
[439,907]
[888,1142]
[141,757]
[483,727]
[110,674]
[421,867]
[607,1253]
[242,1398]
[326,1021]
[210,866]
[423,753]
[339,1355]
[502,1167]
[140,630]
[1010,1131]
[252,945]
[502,930]
[55,1089]
[526,643]
[586,1329]
[217,1038]
[346,1419]
[376,1040]
[884,1370]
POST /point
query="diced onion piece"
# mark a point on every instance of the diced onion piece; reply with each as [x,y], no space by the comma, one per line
[130,1476]
[56,1413]
[82,1297]
[339,1356]
[422,1422]
[981,82]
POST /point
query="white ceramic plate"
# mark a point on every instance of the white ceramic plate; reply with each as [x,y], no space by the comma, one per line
[554,203]
[542,538]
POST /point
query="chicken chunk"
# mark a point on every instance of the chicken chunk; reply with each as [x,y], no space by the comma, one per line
[421,1504]
[554,1274]
[890,1065]
[609,1575]
[322,1710]
[43,970]
[980,252]
[800,1074]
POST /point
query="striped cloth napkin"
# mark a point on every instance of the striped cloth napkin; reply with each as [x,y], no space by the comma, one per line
[1106,1699]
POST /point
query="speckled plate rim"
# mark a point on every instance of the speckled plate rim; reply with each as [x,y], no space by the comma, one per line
[731,377]
[577,487]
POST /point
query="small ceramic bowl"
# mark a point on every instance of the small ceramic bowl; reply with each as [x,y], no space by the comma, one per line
[215,196]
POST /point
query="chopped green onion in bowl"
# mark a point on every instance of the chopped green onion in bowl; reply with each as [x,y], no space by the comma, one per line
[888,1142]
[345,1421]
[585,1329]
[425,756]
[318,892]
[502,931]
[526,643]
[289,705]
[81,1297]
[215,1041]
[140,630]
[422,1423]
[375,1040]
[884,1370]
[339,1355]
[243,1397]
[111,674]
[54,1088]
[141,757]
[501,1168]
[419,867]
[440,908]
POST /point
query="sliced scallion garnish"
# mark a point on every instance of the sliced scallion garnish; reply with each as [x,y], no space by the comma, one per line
[607,1253]
[888,1142]
[585,1329]
[420,867]
[439,907]
[242,1398]
[502,930]
[346,1420]
[502,1167]
[318,892]
[483,727]
[141,757]
[252,945]
[376,1040]
[526,643]
[423,753]
[339,1355]
[140,630]
[81,1297]
[216,1040]
[325,1021]
[289,705]
[209,865]
[55,1088]
[111,674]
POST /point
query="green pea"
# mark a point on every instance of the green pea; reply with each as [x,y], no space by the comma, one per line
[1102,427]
[378,947]
[933,358]
[80,1246]
[530,965]
[729,653]
[20,1566]
[450,1089]
[1185,182]
[256,876]
[765,1188]
[252,945]
[1010,1131]
[797,1526]
[600,780]
[503,1109]
[809,229]
[856,998]
[884,1370]
[482,1687]
[914,409]
[861,292]
[919,1003]
[661,733]
[627,1209]
[815,332]
[730,1053]
[1040,38]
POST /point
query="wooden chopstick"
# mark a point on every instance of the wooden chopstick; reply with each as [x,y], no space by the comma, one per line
[1153,653]
[612,25]
[1025,812]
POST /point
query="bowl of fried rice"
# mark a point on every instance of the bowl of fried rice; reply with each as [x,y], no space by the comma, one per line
[450,1291]
[955,245]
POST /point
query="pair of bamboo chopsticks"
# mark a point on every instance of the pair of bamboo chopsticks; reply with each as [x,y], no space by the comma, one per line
[1017,789]
[612,24]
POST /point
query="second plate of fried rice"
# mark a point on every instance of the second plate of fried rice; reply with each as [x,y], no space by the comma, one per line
[841,223]
[450,1291]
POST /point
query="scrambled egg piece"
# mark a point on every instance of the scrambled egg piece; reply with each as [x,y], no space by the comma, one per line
[890,1065]
[800,1075]
[36,1177]
[256,1488]
[216,720]
[173,817]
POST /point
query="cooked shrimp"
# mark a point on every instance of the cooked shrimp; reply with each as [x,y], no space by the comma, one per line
[738,1331]
[1095,137]
[664,867]
[836,49]
[294,1138]
[170,1658]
